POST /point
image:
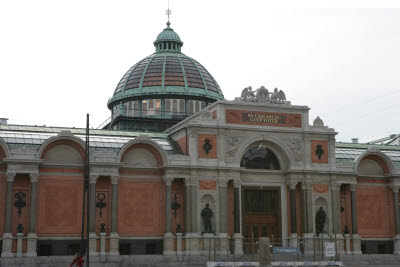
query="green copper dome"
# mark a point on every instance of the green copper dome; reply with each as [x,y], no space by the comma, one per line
[167,73]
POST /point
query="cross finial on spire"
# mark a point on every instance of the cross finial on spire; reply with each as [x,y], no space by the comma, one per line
[168,12]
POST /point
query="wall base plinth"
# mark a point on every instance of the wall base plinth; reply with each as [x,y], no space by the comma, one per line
[238,244]
[356,242]
[309,242]
[31,246]
[293,240]
[396,243]
[93,244]
[114,244]
[169,244]
[7,245]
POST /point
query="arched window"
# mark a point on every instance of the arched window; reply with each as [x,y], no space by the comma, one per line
[135,111]
[181,107]
[197,109]
[260,158]
[167,107]
[191,107]
[158,107]
[130,109]
[203,104]
[174,106]
[151,108]
[144,108]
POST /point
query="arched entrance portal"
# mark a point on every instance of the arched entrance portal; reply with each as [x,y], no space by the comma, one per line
[261,205]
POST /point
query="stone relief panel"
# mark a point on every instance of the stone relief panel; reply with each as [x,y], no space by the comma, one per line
[296,147]
[63,154]
[232,146]
[140,157]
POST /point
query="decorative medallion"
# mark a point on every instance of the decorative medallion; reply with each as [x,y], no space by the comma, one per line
[319,151]
[207,145]
[175,206]
[101,204]
[20,203]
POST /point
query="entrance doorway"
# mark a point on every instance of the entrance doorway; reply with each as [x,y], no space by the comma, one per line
[261,215]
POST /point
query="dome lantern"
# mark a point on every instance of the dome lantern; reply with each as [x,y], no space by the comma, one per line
[168,40]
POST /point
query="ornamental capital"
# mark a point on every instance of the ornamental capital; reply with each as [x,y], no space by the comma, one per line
[395,188]
[34,177]
[10,176]
[192,181]
[237,183]
[168,180]
[292,184]
[223,181]
[335,185]
[114,179]
[353,187]
[93,178]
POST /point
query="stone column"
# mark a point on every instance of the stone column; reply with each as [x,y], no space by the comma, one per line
[293,215]
[188,191]
[237,236]
[223,213]
[114,237]
[396,238]
[195,231]
[336,215]
[92,215]
[32,237]
[168,237]
[7,237]
[308,217]
[354,227]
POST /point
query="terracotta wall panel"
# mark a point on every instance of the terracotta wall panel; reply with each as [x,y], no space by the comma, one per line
[184,145]
[59,206]
[3,192]
[299,210]
[141,207]
[178,188]
[345,202]
[21,184]
[375,211]
[207,185]
[212,154]
[231,207]
[325,154]
[103,189]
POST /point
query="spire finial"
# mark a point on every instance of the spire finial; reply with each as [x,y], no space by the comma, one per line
[168,12]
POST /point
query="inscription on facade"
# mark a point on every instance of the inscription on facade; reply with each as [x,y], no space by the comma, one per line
[263,118]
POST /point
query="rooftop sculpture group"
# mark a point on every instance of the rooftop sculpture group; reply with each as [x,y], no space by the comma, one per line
[262,95]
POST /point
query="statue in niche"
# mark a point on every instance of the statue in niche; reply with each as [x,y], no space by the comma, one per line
[319,151]
[320,218]
[207,213]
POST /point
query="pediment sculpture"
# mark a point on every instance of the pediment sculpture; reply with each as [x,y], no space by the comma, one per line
[262,95]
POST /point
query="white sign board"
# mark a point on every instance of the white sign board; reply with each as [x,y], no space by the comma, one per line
[329,249]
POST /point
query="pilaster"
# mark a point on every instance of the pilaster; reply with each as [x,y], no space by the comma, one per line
[168,237]
[114,237]
[32,237]
[7,237]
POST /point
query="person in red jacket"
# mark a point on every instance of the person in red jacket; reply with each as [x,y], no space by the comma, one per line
[78,261]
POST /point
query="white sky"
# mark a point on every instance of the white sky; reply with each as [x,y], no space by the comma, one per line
[62,59]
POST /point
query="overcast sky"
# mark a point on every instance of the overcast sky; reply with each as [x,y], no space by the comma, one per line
[62,59]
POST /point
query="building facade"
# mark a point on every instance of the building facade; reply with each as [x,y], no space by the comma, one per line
[256,162]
